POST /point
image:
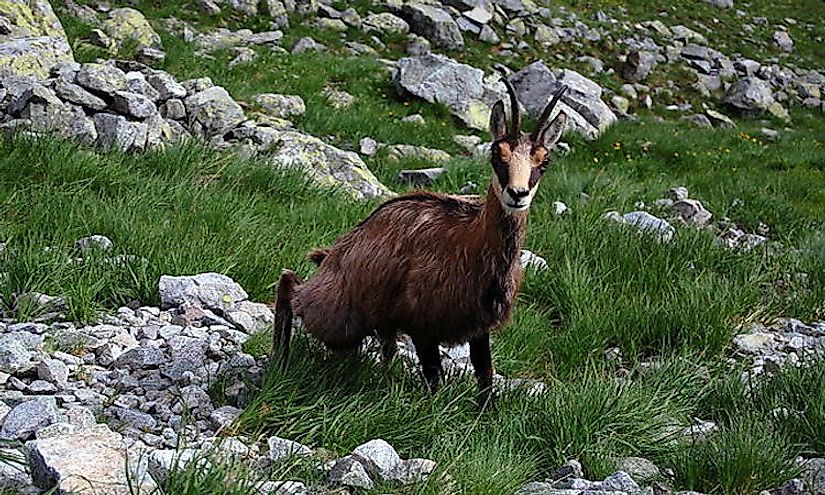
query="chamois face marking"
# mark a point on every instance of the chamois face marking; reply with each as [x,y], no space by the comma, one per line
[519,160]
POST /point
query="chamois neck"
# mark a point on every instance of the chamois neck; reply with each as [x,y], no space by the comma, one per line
[504,231]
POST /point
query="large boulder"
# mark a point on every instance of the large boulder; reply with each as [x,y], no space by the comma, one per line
[460,87]
[433,23]
[95,460]
[32,40]
[749,95]
[129,26]
[324,164]
[212,111]
[536,84]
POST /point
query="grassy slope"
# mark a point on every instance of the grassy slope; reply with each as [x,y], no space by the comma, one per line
[187,210]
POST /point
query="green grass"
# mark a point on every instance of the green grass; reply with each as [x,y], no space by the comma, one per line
[188,209]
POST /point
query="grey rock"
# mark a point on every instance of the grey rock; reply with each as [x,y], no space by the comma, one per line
[115,131]
[398,152]
[281,106]
[749,95]
[368,146]
[93,458]
[152,57]
[647,223]
[348,471]
[638,65]
[588,114]
[433,23]
[719,119]
[224,416]
[281,449]
[14,353]
[74,93]
[132,418]
[480,15]
[250,317]
[692,211]
[161,463]
[166,86]
[101,78]
[209,290]
[783,41]
[411,471]
[212,111]
[13,477]
[324,164]
[378,456]
[722,4]
[421,177]
[173,109]
[529,259]
[488,35]
[27,417]
[620,481]
[139,358]
[41,387]
[136,83]
[93,243]
[438,79]
[307,44]
[53,371]
[384,23]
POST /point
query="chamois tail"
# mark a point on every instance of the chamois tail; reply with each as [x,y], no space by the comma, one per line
[282,331]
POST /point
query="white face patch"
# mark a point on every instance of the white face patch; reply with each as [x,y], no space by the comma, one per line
[517,195]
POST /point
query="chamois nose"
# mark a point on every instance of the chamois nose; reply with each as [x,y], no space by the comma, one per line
[517,194]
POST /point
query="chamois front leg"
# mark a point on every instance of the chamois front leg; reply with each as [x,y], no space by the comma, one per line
[430,360]
[483,365]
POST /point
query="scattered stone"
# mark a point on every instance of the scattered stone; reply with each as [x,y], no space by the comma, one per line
[348,471]
[783,41]
[530,259]
[433,23]
[307,44]
[411,471]
[212,111]
[398,152]
[749,95]
[378,456]
[27,417]
[421,177]
[281,449]
[692,211]
[368,146]
[649,224]
[281,106]
[385,24]
[638,66]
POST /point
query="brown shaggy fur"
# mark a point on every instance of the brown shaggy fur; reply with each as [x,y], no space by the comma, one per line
[441,269]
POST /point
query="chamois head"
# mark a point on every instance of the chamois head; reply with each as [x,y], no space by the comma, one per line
[519,160]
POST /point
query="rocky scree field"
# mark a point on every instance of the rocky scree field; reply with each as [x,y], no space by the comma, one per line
[163,161]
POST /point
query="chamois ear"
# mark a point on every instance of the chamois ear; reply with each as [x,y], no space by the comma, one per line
[498,121]
[550,135]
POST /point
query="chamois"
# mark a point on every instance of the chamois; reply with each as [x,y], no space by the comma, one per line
[439,268]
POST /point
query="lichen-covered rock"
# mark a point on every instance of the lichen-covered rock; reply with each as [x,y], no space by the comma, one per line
[134,105]
[348,471]
[281,106]
[399,152]
[94,460]
[439,79]
[324,164]
[32,40]
[101,78]
[115,131]
[212,111]
[127,25]
[638,65]
[74,93]
[384,23]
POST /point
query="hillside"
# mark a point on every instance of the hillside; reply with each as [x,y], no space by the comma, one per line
[163,162]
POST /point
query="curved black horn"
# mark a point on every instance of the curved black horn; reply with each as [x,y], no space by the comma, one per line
[515,114]
[547,111]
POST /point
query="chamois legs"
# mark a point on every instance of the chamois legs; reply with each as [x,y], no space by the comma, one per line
[483,365]
[282,330]
[430,359]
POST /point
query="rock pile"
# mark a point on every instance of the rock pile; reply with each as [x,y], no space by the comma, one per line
[132,107]
[787,342]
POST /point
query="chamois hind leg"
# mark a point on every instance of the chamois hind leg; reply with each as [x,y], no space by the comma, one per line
[282,329]
[483,365]
[430,359]
[389,346]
